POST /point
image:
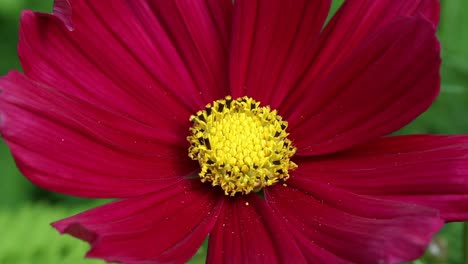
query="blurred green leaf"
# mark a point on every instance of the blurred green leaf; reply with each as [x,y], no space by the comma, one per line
[453,27]
[27,237]
[14,188]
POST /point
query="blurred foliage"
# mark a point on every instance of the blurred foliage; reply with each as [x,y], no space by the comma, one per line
[26,211]
[27,237]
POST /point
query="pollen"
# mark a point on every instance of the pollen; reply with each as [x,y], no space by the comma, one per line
[240,145]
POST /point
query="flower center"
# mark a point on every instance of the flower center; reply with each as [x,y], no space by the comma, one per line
[240,146]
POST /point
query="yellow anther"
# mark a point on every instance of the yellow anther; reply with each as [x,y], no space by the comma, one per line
[240,146]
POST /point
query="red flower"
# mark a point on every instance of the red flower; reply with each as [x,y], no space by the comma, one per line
[103,110]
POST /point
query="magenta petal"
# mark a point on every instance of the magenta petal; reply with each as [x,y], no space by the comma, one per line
[78,64]
[247,232]
[129,64]
[355,21]
[70,146]
[272,45]
[386,83]
[424,169]
[200,31]
[63,10]
[167,226]
[355,228]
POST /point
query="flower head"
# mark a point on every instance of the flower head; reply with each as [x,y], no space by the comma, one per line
[248,121]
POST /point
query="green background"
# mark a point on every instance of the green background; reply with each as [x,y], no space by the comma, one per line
[26,211]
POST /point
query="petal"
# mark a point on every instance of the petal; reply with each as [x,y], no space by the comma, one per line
[355,228]
[201,31]
[248,232]
[425,169]
[386,83]
[62,10]
[351,25]
[169,225]
[271,45]
[357,19]
[140,63]
[70,146]
[51,54]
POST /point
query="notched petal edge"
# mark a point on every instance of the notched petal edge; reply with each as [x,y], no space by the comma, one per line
[63,10]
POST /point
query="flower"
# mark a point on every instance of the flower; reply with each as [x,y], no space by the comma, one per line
[243,121]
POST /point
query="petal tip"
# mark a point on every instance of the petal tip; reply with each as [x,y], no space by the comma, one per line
[63,10]
[75,229]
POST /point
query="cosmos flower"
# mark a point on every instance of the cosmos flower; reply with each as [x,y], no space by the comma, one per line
[250,122]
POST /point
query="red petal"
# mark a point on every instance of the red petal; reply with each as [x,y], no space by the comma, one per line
[248,232]
[271,45]
[63,10]
[129,64]
[200,31]
[391,79]
[169,225]
[53,55]
[358,19]
[358,229]
[70,146]
[352,24]
[425,169]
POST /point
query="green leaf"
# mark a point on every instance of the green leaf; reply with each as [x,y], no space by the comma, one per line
[27,237]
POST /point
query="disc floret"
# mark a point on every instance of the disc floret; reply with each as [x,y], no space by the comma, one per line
[240,146]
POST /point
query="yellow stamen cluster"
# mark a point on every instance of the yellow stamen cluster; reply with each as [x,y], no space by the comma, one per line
[240,146]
